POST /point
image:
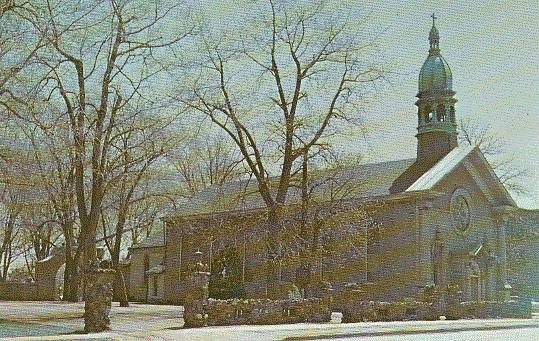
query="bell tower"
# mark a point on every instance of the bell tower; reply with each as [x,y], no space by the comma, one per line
[437,127]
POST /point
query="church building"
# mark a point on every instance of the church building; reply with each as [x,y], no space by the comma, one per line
[439,219]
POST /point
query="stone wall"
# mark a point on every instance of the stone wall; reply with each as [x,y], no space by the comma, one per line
[264,311]
[493,309]
[45,288]
[46,275]
[13,291]
[363,311]
[523,269]
[393,254]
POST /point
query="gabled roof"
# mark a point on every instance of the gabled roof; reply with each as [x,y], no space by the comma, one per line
[155,239]
[441,169]
[362,181]
[476,164]
[156,269]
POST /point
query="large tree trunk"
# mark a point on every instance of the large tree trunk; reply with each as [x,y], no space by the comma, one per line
[273,252]
[119,289]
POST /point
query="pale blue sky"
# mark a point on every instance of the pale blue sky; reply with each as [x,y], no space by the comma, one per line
[491,47]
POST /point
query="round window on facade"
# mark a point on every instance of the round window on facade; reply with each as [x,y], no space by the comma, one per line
[460,210]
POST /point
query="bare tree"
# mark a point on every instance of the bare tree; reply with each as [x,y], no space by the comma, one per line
[100,57]
[10,231]
[138,156]
[202,163]
[310,71]
[493,147]
[18,47]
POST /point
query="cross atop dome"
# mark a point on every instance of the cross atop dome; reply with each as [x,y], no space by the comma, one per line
[434,37]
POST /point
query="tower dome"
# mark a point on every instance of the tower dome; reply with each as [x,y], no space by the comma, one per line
[435,75]
[436,130]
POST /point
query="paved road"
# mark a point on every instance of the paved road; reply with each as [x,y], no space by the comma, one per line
[526,334]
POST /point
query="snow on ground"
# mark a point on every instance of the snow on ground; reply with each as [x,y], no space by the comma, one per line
[143,321]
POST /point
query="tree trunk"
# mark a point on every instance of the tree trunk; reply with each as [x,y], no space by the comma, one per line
[121,288]
[68,278]
[273,252]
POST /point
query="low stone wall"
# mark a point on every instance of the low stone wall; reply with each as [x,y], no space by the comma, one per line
[492,309]
[264,311]
[14,291]
[363,311]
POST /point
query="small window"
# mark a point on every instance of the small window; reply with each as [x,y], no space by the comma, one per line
[452,113]
[155,285]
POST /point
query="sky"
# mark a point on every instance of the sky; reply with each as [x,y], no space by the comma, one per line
[491,47]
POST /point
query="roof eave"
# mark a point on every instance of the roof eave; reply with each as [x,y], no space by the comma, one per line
[403,196]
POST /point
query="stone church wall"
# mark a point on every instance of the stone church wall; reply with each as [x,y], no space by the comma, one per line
[523,254]
[483,235]
[247,239]
[399,248]
[393,256]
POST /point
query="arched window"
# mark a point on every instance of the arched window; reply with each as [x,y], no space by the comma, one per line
[440,113]
[429,115]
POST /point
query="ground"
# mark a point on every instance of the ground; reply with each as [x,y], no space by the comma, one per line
[51,318]
[143,321]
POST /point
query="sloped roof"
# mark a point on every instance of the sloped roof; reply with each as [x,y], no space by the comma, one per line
[156,269]
[476,164]
[155,239]
[441,169]
[367,180]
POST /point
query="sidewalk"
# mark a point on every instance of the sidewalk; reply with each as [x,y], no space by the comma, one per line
[306,331]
